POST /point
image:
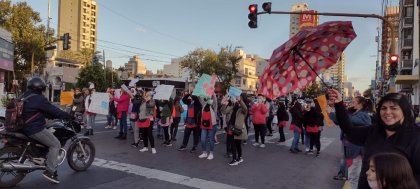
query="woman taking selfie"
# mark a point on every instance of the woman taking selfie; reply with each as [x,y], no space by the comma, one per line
[394,131]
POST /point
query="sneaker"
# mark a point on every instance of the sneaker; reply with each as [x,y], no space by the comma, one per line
[135,145]
[310,152]
[51,176]
[262,145]
[256,144]
[270,134]
[293,151]
[210,157]
[317,153]
[182,148]
[144,149]
[245,142]
[339,177]
[115,127]
[168,144]
[233,163]
[281,140]
[203,155]
[298,150]
[153,150]
[108,127]
[241,160]
[217,142]
[194,149]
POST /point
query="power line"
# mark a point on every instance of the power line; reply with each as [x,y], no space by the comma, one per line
[142,54]
[151,29]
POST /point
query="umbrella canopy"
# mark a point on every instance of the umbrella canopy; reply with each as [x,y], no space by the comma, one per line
[297,62]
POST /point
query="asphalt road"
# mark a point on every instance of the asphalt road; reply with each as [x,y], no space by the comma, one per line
[119,165]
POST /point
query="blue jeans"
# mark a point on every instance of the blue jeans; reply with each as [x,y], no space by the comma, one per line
[90,121]
[123,123]
[296,136]
[207,134]
[48,139]
[307,138]
[110,120]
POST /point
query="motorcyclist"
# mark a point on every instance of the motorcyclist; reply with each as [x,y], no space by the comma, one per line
[38,108]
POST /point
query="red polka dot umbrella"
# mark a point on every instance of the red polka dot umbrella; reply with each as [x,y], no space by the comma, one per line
[298,62]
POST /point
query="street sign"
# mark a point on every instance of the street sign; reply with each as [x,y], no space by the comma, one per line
[50,48]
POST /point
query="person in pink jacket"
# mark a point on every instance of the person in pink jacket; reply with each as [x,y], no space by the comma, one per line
[258,111]
[122,109]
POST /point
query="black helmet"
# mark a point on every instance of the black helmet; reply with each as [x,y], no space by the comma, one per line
[36,84]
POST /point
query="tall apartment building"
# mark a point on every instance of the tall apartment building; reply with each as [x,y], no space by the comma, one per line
[246,78]
[174,69]
[79,18]
[135,66]
[295,18]
[335,75]
[408,49]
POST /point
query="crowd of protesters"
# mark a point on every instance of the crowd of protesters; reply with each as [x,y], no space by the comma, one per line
[367,134]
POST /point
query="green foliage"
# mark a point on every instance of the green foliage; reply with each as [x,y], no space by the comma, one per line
[95,73]
[84,56]
[223,64]
[312,90]
[29,36]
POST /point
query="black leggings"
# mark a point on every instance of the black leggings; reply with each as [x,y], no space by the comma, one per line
[268,124]
[315,140]
[174,127]
[237,148]
[148,136]
[259,130]
[166,133]
[229,144]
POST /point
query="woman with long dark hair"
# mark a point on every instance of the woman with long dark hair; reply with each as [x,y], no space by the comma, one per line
[296,126]
[282,118]
[394,131]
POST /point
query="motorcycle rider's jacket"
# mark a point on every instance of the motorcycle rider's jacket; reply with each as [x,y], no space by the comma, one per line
[35,104]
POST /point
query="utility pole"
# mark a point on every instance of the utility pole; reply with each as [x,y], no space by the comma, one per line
[103,59]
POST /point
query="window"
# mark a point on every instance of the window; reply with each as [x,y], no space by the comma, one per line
[238,81]
[244,82]
[246,71]
[408,11]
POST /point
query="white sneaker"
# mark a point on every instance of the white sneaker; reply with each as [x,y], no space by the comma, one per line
[203,155]
[256,144]
[107,127]
[262,145]
[153,150]
[210,157]
[241,160]
[115,127]
[144,149]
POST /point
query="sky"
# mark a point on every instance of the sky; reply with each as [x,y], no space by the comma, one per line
[163,29]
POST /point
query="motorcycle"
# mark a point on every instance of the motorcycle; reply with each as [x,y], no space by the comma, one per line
[21,155]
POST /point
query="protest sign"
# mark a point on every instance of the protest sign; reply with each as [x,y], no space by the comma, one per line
[323,103]
[234,91]
[66,98]
[163,92]
[99,103]
[205,86]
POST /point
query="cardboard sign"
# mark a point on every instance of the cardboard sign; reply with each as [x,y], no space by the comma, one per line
[66,98]
[99,103]
[205,86]
[323,103]
[234,91]
[163,92]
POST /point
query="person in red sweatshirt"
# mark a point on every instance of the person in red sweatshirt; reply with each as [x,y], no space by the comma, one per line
[259,110]
[122,109]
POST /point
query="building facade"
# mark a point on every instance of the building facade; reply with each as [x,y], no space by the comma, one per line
[246,78]
[408,50]
[174,69]
[79,19]
[295,18]
[135,66]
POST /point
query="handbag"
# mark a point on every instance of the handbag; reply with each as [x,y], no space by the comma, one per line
[236,131]
[133,115]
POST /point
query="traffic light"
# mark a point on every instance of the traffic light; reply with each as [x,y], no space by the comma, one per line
[253,9]
[66,41]
[267,7]
[393,65]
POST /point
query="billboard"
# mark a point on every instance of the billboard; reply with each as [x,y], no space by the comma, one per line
[6,50]
[307,20]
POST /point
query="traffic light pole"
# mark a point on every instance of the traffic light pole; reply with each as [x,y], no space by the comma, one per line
[392,50]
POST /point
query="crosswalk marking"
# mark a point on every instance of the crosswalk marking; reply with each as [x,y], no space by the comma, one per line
[162,175]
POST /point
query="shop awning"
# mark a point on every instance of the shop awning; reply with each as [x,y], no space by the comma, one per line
[407,79]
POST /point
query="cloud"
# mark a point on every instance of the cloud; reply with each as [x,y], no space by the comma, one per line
[141,29]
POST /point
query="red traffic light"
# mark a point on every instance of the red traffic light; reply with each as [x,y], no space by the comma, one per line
[253,8]
[393,58]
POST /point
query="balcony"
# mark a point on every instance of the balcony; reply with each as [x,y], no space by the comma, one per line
[408,2]
[408,22]
[407,64]
[407,43]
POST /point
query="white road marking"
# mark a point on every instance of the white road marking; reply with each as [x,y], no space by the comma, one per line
[161,175]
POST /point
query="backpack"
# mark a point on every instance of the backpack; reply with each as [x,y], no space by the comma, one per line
[206,117]
[14,119]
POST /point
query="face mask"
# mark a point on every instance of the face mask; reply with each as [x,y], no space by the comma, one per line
[393,127]
[373,184]
[210,102]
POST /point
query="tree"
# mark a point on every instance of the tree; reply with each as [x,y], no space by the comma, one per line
[312,90]
[84,56]
[29,36]
[95,73]
[206,61]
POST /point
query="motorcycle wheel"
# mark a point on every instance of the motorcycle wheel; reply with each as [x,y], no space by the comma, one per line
[10,178]
[77,161]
